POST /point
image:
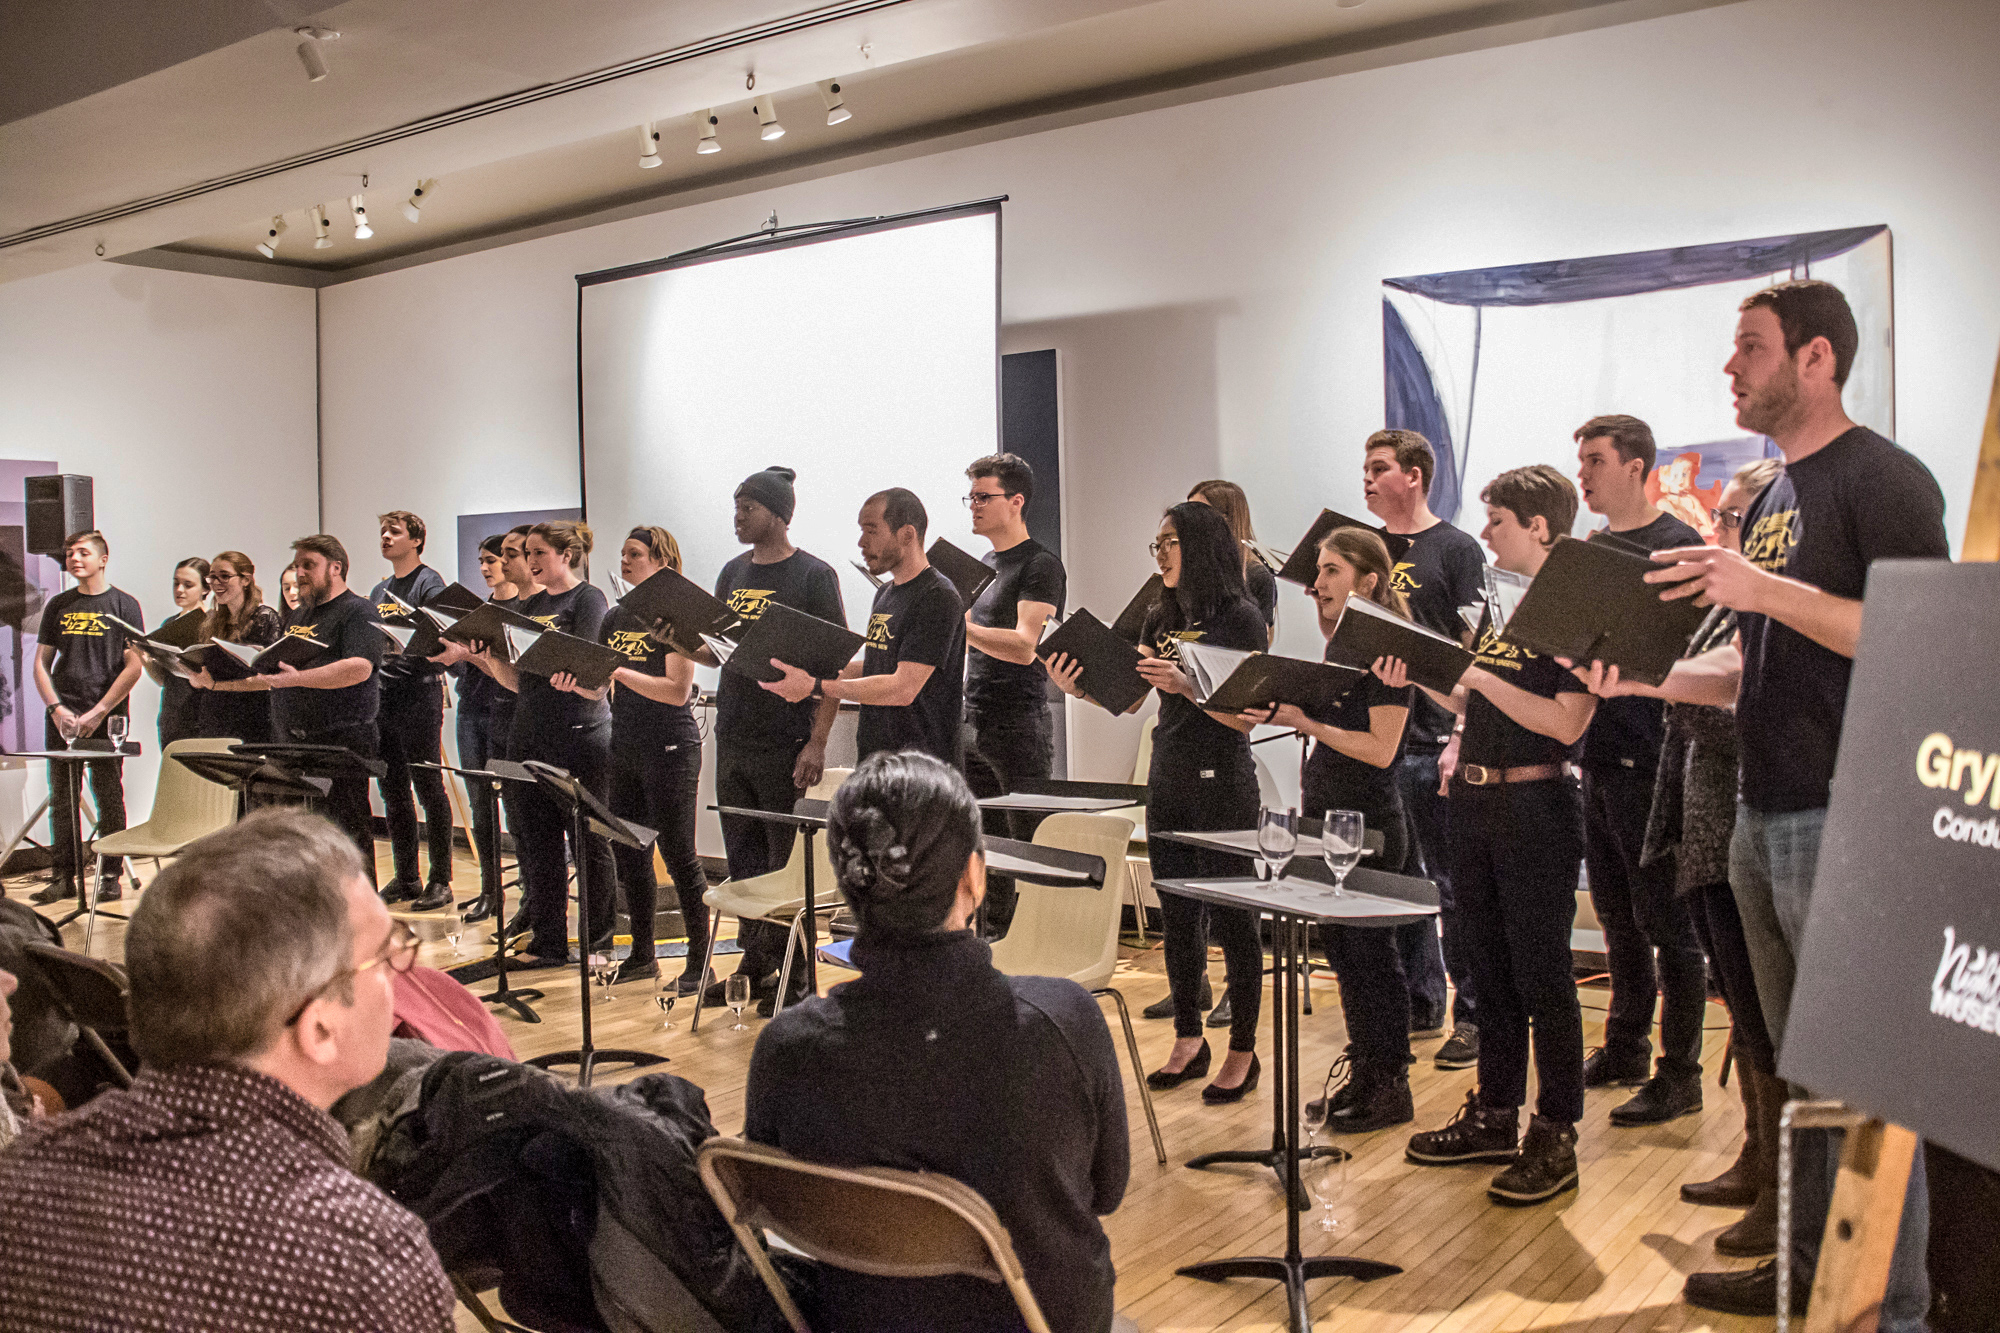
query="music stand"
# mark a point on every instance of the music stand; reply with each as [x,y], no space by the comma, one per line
[517,1000]
[322,761]
[588,815]
[253,778]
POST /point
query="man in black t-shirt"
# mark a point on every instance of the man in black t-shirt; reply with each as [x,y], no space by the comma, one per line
[768,751]
[910,679]
[1847,498]
[411,723]
[1441,572]
[84,670]
[1007,726]
[1636,904]
[1517,844]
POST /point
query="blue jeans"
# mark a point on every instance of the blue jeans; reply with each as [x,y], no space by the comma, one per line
[1423,962]
[1772,859]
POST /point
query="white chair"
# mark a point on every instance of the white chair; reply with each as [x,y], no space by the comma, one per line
[1073,933]
[779,896]
[1140,870]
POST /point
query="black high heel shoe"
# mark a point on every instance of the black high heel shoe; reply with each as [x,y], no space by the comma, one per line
[1160,1079]
[1216,1096]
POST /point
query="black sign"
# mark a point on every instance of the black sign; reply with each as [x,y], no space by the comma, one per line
[1897,1005]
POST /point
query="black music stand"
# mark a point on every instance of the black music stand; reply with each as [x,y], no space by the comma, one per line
[319,761]
[588,815]
[489,855]
[809,818]
[253,779]
[71,762]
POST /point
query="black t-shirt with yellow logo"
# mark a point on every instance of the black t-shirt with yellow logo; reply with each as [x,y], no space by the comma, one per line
[419,587]
[347,625]
[1493,739]
[1187,742]
[920,621]
[540,708]
[1823,521]
[747,714]
[640,725]
[90,650]
[1441,572]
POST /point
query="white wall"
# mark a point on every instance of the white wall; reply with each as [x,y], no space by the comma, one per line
[190,400]
[1211,272]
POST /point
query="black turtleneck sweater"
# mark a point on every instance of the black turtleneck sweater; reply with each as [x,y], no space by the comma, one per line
[935,1061]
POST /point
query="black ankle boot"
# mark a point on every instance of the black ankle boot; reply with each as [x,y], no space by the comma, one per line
[1380,1098]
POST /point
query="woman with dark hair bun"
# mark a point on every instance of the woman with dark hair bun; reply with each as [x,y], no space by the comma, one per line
[1202,778]
[178,705]
[935,1061]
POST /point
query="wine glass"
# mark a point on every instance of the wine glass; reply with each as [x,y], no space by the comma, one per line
[454,931]
[664,995]
[605,969]
[1325,1172]
[115,727]
[736,993]
[66,728]
[1340,843]
[1277,840]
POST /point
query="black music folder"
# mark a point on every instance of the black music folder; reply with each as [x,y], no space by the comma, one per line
[1110,663]
[1229,680]
[1368,631]
[1131,622]
[183,631]
[817,647]
[549,652]
[1591,601]
[239,661]
[967,572]
[486,625]
[165,646]
[689,611]
[1302,565]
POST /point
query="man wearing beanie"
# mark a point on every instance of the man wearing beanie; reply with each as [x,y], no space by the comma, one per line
[767,751]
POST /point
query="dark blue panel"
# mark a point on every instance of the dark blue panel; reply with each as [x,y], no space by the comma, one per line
[1412,403]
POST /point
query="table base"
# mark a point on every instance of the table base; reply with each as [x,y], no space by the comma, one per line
[1274,1158]
[1293,1272]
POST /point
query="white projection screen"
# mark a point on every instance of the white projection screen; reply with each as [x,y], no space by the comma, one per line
[865,359]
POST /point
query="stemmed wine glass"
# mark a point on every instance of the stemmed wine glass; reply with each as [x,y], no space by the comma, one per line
[115,727]
[736,993]
[605,969]
[67,729]
[1340,843]
[664,995]
[1277,840]
[454,932]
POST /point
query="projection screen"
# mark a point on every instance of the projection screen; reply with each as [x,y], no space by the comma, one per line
[864,357]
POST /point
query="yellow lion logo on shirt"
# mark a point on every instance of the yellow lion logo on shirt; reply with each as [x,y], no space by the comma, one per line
[636,644]
[878,630]
[1769,543]
[85,624]
[1495,651]
[749,603]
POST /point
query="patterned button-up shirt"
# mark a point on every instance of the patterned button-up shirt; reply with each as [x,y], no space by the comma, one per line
[203,1200]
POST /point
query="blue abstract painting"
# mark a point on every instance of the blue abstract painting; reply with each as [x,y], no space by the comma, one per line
[1497,366]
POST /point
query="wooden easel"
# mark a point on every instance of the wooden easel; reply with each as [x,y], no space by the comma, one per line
[1982,522]
[1867,1209]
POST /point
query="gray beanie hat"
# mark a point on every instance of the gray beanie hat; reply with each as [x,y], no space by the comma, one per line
[771,488]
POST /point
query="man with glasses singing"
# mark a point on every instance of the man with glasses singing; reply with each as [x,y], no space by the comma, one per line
[1007,726]
[214,1193]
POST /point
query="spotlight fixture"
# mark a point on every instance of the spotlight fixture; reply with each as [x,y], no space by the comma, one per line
[362,231]
[649,152]
[414,205]
[322,228]
[268,247]
[708,143]
[767,120]
[836,111]
[309,53]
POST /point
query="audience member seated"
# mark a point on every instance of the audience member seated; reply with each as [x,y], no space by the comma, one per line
[934,1061]
[215,1194]
[16,1103]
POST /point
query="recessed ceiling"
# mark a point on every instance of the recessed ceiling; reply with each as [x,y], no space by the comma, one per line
[527,117]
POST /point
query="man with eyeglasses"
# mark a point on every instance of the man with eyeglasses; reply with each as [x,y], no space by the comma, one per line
[1008,732]
[262,982]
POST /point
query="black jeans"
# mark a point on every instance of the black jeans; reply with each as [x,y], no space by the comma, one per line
[1640,913]
[655,785]
[759,777]
[1367,961]
[1182,802]
[1516,850]
[412,732]
[1430,829]
[107,788]
[346,801]
[1721,930]
[1001,747]
[478,747]
[543,842]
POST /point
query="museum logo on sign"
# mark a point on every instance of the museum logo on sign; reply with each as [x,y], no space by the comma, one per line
[1966,988]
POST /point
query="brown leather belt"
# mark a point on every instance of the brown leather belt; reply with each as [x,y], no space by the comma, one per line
[1478,775]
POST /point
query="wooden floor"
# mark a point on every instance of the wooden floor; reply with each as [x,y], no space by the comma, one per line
[1611,1256]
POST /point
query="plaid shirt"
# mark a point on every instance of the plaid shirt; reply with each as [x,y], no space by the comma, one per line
[202,1200]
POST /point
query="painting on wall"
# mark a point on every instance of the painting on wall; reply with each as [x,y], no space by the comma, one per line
[26,583]
[1497,366]
[476,528]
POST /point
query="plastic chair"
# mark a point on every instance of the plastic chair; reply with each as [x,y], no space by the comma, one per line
[91,993]
[1140,879]
[1073,933]
[779,896]
[185,807]
[870,1219]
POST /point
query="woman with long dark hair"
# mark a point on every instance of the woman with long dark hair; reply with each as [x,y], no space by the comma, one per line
[933,1060]
[480,742]
[1228,500]
[239,616]
[1201,779]
[178,701]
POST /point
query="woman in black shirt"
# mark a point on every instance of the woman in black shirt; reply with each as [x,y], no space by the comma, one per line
[1201,778]
[239,616]
[479,743]
[1228,499]
[178,702]
[1352,767]
[935,1061]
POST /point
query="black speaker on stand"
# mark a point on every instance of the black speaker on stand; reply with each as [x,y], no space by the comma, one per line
[58,506]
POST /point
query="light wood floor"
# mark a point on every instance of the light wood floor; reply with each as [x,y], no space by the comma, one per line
[1611,1256]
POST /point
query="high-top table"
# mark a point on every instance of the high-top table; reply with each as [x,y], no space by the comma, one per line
[1295,903]
[66,766]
